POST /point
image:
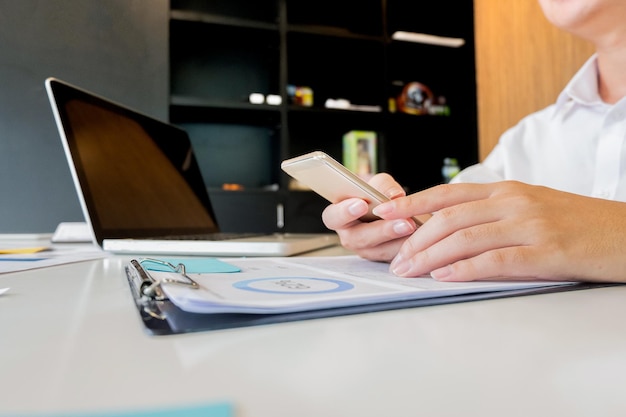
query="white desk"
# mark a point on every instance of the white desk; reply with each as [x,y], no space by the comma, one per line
[71,341]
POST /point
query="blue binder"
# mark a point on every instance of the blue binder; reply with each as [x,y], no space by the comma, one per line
[161,317]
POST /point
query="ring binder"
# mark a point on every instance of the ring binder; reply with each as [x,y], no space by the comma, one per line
[161,316]
[150,287]
[148,293]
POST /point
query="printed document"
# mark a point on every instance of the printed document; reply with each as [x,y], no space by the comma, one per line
[283,285]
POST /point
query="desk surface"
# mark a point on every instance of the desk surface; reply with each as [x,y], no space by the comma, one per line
[71,341]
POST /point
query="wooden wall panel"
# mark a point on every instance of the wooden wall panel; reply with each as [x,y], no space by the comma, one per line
[522,64]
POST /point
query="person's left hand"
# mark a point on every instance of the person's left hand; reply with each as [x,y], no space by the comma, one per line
[510,230]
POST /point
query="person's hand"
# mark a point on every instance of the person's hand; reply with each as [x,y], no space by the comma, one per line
[510,230]
[378,240]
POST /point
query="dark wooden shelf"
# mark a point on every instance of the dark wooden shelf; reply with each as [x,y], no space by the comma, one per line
[223,50]
[179,100]
[191,109]
[208,18]
[333,32]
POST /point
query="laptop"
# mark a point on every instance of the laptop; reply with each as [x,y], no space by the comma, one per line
[140,187]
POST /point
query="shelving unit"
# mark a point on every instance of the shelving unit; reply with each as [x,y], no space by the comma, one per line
[224,50]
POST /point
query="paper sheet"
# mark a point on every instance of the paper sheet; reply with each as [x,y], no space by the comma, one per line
[282,285]
[20,259]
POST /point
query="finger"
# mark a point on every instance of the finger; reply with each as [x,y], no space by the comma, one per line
[518,263]
[381,253]
[461,244]
[463,231]
[433,199]
[344,214]
[378,240]
[364,236]
[460,219]
[387,185]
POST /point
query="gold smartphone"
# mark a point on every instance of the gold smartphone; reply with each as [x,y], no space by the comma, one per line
[328,178]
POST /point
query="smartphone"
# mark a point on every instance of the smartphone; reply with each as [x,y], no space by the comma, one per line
[331,180]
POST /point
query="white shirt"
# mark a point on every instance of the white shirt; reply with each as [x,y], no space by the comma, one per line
[574,145]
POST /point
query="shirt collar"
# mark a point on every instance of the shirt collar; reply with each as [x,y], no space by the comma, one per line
[583,87]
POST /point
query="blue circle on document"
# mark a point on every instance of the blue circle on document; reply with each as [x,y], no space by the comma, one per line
[293,285]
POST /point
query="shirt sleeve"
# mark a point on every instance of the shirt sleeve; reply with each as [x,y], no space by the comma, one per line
[492,169]
[478,173]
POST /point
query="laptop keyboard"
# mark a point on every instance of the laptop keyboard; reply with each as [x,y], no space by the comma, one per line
[213,236]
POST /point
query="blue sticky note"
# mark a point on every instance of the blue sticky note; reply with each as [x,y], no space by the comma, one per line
[192,265]
[211,410]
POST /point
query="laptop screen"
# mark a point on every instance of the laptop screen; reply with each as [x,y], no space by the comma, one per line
[136,176]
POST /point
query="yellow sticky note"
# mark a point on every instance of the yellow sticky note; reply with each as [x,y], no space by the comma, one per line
[18,251]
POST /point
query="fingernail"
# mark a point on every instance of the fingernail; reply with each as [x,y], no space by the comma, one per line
[442,273]
[394,192]
[358,208]
[399,266]
[383,209]
[402,227]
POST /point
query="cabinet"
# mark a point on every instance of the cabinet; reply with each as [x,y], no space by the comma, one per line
[224,50]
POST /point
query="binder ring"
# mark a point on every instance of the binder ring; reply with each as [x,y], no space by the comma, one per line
[151,287]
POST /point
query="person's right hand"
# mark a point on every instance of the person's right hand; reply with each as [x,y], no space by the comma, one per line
[379,240]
